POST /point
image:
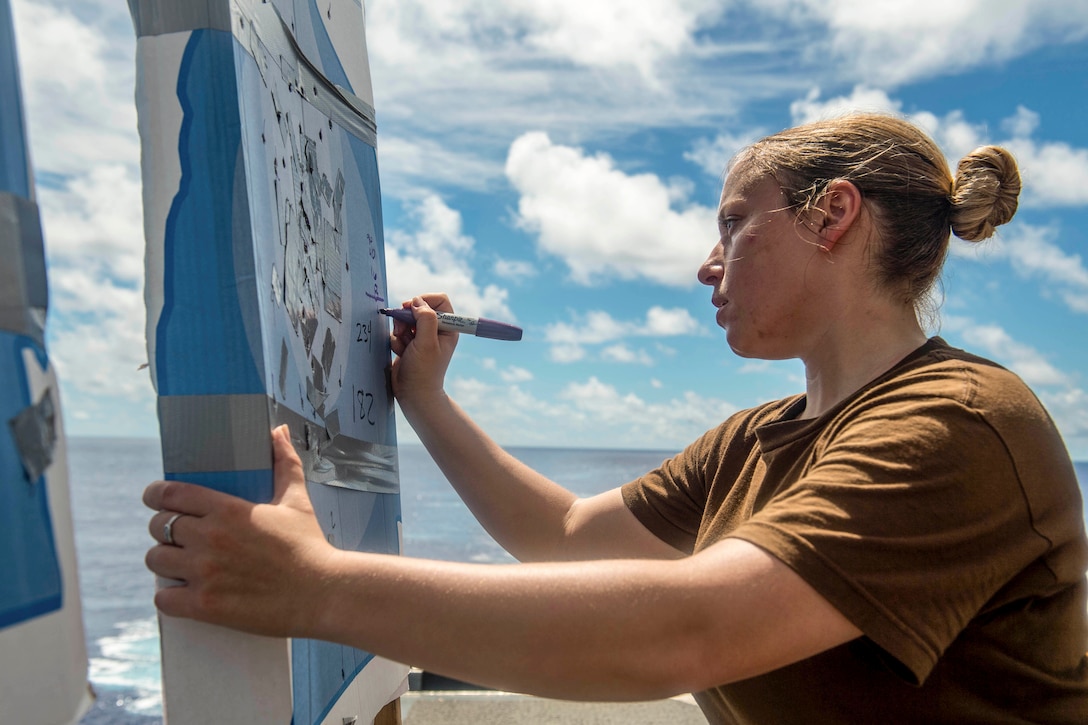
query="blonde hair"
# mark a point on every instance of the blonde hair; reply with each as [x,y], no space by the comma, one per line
[904,178]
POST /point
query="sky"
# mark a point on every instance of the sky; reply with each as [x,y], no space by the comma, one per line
[557,164]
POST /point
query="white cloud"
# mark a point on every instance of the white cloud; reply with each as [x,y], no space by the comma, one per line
[1022,123]
[888,42]
[674,422]
[603,222]
[1024,360]
[756,366]
[77,86]
[1060,392]
[713,156]
[591,327]
[566,352]
[586,67]
[665,322]
[103,355]
[598,326]
[953,133]
[437,258]
[515,374]
[77,80]
[1033,253]
[515,270]
[638,34]
[478,72]
[408,164]
[588,413]
[1054,173]
[862,98]
[508,409]
[622,353]
[604,35]
[1069,408]
[96,219]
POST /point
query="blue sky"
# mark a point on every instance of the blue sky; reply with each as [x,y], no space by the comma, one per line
[557,163]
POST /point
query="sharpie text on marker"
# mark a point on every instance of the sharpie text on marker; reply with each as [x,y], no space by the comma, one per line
[478,326]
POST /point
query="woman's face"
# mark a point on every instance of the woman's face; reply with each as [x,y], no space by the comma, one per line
[761,271]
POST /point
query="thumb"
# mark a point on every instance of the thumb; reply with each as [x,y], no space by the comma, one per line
[288,478]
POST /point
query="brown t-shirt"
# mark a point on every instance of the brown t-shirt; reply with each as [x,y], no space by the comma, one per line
[938,510]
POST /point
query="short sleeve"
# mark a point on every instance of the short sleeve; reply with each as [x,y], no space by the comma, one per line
[669,501]
[908,520]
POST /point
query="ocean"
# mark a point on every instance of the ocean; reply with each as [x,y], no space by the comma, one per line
[108,476]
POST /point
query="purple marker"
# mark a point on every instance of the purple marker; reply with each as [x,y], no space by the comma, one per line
[478,326]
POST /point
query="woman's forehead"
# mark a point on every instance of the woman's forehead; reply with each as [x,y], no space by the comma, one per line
[747,184]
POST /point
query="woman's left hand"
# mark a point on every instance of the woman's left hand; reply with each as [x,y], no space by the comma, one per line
[260,568]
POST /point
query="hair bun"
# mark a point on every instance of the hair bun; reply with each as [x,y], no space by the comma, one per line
[984,193]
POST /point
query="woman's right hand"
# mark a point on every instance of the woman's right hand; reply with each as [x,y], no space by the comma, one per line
[423,352]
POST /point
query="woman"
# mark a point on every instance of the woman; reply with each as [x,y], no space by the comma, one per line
[904,542]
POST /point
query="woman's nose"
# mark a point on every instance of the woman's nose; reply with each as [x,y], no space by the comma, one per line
[713,267]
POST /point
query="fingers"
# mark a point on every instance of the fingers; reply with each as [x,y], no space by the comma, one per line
[185,498]
[425,326]
[426,319]
[402,335]
[176,601]
[167,561]
[435,300]
[158,523]
[286,467]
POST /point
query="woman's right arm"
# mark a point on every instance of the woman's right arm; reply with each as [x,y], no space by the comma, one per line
[532,517]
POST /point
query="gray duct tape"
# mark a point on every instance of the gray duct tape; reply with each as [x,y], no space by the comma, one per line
[260,23]
[159,17]
[204,433]
[334,459]
[24,292]
[34,431]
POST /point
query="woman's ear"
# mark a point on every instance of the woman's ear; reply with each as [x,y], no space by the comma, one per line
[840,207]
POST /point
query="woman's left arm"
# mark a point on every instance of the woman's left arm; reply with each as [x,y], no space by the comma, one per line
[598,630]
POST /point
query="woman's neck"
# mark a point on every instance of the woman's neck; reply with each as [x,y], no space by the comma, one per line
[845,360]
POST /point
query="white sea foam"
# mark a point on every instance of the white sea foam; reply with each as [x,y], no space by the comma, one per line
[128,667]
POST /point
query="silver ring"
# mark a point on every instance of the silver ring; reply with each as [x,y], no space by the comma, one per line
[168,530]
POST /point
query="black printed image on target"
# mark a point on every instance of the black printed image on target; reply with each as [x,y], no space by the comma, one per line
[309,282]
